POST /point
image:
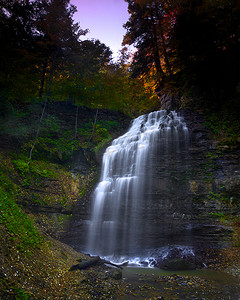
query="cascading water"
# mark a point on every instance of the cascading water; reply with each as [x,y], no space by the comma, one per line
[127,219]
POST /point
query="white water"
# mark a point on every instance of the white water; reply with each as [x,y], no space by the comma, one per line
[121,224]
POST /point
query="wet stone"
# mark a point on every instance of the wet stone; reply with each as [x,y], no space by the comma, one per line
[178,264]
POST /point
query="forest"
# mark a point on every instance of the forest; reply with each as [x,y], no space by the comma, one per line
[61,93]
[186,48]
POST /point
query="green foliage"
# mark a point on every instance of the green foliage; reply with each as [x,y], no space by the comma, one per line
[56,140]
[209,166]
[54,64]
[18,122]
[22,166]
[223,197]
[112,89]
[7,184]
[21,294]
[217,214]
[61,147]
[100,133]
[222,217]
[16,292]
[50,125]
[34,169]
[225,125]
[18,225]
[109,125]
[36,199]
[101,144]
[56,143]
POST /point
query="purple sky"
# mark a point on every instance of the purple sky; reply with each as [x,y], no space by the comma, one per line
[104,19]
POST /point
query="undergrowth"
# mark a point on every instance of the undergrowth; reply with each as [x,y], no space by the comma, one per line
[225,124]
[19,226]
[57,140]
[56,145]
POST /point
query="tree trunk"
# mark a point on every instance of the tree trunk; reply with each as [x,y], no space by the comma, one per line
[76,123]
[157,60]
[94,125]
[93,261]
[44,70]
[163,43]
[86,264]
[43,110]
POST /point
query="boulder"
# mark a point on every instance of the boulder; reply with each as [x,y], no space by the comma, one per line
[177,264]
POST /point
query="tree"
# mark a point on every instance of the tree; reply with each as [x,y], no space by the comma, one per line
[90,57]
[147,29]
[58,38]
[79,78]
[194,43]
[17,71]
[206,37]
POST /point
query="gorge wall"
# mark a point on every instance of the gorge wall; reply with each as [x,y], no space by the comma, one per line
[213,178]
[202,183]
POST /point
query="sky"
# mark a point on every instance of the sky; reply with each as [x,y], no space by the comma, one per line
[104,19]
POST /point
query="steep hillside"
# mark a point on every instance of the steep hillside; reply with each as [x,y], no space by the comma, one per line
[38,196]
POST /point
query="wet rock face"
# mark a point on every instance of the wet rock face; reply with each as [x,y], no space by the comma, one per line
[168,101]
[216,170]
[191,187]
[188,188]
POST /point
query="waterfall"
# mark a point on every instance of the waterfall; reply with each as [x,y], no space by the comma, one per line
[126,212]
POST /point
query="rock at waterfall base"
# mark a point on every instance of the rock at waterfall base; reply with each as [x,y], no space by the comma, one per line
[178,264]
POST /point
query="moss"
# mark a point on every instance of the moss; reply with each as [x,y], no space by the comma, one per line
[224,125]
[38,184]
[9,290]
[20,294]
[101,144]
[18,225]
[35,168]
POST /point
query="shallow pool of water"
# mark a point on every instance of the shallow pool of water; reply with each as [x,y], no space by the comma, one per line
[208,274]
[153,283]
